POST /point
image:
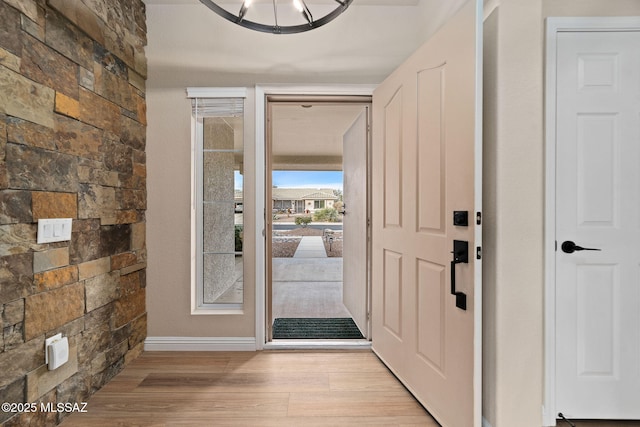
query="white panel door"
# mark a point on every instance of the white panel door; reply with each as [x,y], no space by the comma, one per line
[598,207]
[354,223]
[427,164]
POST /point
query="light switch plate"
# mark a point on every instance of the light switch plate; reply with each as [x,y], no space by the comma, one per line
[54,230]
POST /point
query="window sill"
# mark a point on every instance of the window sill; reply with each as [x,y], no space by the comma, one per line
[235,309]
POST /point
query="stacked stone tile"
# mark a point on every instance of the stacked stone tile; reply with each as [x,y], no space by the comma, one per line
[72,145]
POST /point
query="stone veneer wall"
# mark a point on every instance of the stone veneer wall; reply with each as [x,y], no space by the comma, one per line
[72,145]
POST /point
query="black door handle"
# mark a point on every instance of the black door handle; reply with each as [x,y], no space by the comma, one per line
[460,255]
[570,247]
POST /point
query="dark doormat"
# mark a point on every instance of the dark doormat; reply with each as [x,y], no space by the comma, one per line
[315,328]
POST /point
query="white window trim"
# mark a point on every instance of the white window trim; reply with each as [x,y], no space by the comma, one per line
[198,308]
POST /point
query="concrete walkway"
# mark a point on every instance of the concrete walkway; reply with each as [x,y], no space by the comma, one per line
[311,247]
[308,287]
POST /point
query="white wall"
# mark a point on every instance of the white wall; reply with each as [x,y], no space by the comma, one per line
[513,215]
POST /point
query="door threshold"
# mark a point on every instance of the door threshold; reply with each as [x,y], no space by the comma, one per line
[283,344]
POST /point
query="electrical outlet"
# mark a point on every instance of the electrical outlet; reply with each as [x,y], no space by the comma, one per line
[56,351]
[47,343]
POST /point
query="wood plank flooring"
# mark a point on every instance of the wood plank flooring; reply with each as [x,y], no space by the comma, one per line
[268,388]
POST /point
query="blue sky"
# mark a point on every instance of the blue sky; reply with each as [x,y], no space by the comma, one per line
[310,179]
[298,179]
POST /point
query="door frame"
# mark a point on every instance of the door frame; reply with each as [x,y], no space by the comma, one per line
[262,91]
[554,26]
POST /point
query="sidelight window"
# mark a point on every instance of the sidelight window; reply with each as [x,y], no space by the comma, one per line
[218,202]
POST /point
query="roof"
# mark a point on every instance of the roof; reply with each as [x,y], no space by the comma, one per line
[298,194]
[303,194]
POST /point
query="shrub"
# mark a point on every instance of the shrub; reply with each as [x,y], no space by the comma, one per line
[326,214]
[239,236]
[303,220]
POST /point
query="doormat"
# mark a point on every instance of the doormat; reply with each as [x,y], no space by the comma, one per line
[315,328]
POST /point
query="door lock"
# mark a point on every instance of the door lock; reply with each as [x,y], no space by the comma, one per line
[461,218]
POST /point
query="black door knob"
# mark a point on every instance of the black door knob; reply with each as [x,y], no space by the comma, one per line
[570,247]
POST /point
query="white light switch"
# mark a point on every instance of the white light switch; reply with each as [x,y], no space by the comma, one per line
[54,230]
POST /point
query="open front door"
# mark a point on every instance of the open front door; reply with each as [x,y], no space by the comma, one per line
[427,152]
[354,249]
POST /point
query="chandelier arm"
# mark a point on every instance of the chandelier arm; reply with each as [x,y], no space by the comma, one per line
[220,11]
[275,13]
[307,13]
[276,29]
[243,10]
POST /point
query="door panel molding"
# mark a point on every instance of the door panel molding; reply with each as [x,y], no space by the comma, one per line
[555,26]
[431,157]
[392,285]
[431,300]
[392,165]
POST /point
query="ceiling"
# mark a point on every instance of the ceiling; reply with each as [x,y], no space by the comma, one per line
[309,2]
[308,136]
[190,46]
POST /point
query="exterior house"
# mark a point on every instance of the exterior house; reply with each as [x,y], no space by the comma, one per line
[302,200]
[299,200]
[104,145]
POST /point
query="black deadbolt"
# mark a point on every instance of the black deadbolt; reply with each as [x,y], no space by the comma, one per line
[461,218]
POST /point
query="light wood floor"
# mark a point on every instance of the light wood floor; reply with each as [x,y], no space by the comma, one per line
[268,388]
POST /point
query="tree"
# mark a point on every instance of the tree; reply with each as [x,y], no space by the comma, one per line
[326,214]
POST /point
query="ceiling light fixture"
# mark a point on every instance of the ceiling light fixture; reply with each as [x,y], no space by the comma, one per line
[299,5]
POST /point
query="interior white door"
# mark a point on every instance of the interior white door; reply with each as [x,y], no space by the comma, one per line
[426,164]
[598,207]
[354,223]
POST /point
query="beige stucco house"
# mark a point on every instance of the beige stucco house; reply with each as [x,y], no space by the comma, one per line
[302,200]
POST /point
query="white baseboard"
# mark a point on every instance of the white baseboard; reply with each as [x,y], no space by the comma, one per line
[485,423]
[200,344]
